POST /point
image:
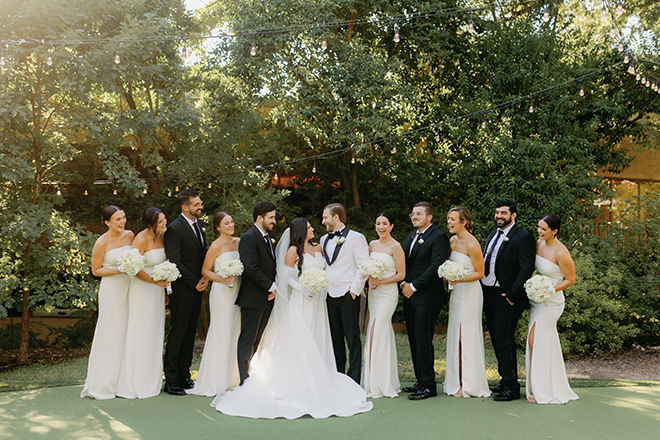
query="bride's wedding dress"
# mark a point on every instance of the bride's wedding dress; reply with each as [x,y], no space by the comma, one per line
[290,376]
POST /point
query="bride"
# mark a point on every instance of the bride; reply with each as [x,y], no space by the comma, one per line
[293,371]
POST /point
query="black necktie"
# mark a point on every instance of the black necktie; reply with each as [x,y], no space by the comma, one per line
[415,238]
[269,244]
[490,253]
[198,232]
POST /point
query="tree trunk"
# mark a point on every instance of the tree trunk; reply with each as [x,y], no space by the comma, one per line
[25,330]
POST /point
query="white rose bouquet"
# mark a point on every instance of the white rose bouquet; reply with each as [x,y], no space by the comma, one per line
[373,267]
[166,271]
[232,267]
[452,271]
[131,262]
[315,280]
[539,289]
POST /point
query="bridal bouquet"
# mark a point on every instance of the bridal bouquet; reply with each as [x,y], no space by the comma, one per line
[539,289]
[373,267]
[452,271]
[166,271]
[315,280]
[232,267]
[131,262]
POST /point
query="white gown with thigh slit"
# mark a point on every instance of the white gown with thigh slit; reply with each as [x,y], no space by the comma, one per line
[380,376]
[465,330]
[544,362]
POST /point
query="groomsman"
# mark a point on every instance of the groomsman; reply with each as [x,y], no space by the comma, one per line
[344,251]
[509,262]
[258,290]
[424,294]
[185,246]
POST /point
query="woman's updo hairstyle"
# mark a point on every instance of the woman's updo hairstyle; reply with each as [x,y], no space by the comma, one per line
[553,221]
[217,219]
[150,218]
[387,216]
[464,215]
[108,212]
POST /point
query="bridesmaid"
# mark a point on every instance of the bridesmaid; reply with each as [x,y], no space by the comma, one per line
[142,368]
[380,377]
[546,375]
[107,351]
[466,370]
[218,370]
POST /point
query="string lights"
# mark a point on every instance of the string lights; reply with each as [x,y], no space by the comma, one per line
[253,50]
[117,57]
[546,12]
[396,32]
[470,27]
[49,60]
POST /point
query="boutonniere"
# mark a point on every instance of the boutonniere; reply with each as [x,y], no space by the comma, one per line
[272,240]
[341,240]
[203,229]
[420,241]
[506,239]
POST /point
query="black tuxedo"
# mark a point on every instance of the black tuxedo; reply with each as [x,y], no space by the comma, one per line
[422,308]
[183,248]
[514,265]
[258,258]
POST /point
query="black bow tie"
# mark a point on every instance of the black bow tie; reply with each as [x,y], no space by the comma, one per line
[334,234]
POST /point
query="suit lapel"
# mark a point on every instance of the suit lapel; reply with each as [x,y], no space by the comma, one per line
[344,234]
[504,242]
[422,237]
[260,238]
[189,228]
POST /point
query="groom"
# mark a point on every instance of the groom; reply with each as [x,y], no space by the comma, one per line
[257,291]
[185,246]
[424,294]
[344,251]
[509,262]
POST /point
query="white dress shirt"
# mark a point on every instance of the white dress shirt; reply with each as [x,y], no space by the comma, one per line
[495,244]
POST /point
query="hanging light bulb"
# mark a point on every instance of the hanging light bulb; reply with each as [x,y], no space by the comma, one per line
[648,83]
[437,137]
[603,12]
[324,42]
[144,191]
[59,193]
[470,27]
[353,158]
[49,60]
[3,61]
[483,123]
[638,77]
[314,168]
[275,176]
[396,32]
[85,192]
[393,150]
[184,53]
[632,67]
[531,107]
[626,58]
[621,46]
[114,192]
[176,188]
[209,185]
[619,8]
[546,13]
[244,182]
[612,31]
[117,58]
[253,50]
[581,90]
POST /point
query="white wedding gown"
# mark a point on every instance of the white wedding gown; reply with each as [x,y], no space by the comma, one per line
[546,373]
[380,375]
[142,368]
[107,352]
[218,370]
[289,374]
[465,328]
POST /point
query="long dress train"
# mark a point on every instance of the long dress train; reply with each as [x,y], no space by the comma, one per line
[289,375]
[465,329]
[380,375]
[142,368]
[546,373]
[218,370]
[105,357]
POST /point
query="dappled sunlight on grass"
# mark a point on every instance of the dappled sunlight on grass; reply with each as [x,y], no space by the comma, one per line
[643,400]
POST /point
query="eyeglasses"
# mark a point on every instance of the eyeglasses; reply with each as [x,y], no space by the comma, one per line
[416,214]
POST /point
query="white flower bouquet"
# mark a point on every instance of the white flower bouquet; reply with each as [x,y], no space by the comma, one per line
[539,289]
[315,280]
[166,271]
[452,271]
[232,267]
[373,267]
[131,262]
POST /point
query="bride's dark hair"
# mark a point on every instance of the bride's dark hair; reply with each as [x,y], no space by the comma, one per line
[297,238]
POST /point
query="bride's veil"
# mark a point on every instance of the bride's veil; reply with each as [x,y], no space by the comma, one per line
[281,275]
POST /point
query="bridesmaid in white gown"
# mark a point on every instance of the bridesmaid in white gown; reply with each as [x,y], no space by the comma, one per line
[290,375]
[466,369]
[380,374]
[218,370]
[107,351]
[142,368]
[546,374]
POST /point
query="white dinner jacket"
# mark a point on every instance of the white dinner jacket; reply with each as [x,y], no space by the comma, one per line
[345,272]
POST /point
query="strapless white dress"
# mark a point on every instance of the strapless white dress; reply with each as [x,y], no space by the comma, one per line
[142,368]
[380,374]
[218,370]
[105,357]
[289,375]
[546,373]
[465,330]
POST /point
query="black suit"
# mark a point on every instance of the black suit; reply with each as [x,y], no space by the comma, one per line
[258,258]
[514,265]
[422,308]
[183,248]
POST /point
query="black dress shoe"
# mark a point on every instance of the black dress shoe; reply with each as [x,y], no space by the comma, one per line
[507,396]
[187,384]
[497,388]
[422,393]
[412,389]
[175,390]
